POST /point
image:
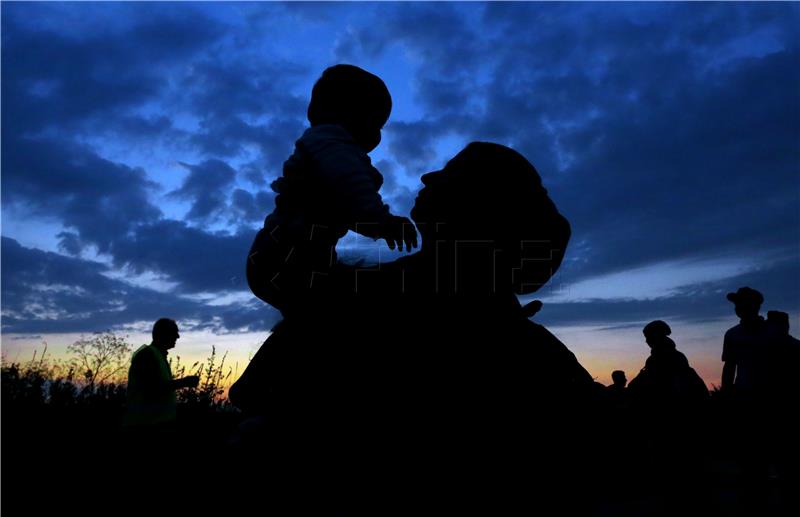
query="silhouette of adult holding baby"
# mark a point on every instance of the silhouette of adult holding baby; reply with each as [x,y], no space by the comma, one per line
[436,384]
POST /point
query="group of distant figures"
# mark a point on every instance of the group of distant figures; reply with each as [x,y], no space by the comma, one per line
[755,410]
[759,355]
[422,385]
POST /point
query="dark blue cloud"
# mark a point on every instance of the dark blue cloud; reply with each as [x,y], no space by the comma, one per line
[691,304]
[198,260]
[412,144]
[60,87]
[70,243]
[710,169]
[108,206]
[206,186]
[398,196]
[70,184]
[232,99]
[221,86]
[248,207]
[653,126]
[439,35]
[663,131]
[48,292]
[56,80]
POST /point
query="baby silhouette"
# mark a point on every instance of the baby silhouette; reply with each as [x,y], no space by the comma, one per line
[328,187]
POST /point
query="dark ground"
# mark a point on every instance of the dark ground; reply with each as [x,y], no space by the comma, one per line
[78,461]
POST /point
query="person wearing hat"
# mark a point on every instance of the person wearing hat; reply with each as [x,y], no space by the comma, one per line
[747,353]
[746,346]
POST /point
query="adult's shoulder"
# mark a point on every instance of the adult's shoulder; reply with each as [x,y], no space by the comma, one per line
[681,359]
[545,341]
[553,351]
[542,335]
[733,332]
[145,363]
[145,354]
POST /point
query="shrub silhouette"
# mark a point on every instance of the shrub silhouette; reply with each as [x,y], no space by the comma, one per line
[101,358]
[94,377]
[210,394]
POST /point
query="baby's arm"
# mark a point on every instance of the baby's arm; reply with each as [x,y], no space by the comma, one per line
[353,182]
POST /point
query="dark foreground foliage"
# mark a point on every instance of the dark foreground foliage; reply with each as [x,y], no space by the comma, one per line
[65,452]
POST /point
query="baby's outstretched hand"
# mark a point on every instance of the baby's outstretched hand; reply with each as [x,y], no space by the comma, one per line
[398,230]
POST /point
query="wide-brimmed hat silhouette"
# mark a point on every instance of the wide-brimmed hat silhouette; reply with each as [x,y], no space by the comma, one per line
[746,295]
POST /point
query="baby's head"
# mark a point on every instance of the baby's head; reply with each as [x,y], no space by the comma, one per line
[353,98]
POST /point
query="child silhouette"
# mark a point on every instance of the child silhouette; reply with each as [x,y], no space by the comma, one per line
[328,187]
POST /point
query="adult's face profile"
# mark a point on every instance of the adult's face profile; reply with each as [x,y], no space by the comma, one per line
[445,193]
[424,209]
[165,334]
[747,311]
[171,337]
[491,193]
[484,188]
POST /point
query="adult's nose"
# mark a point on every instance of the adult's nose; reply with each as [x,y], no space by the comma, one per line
[431,178]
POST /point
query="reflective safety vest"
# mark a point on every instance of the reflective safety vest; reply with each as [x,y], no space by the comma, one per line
[151,398]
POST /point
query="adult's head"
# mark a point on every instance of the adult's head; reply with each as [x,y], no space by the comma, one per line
[491,194]
[165,333]
[618,376]
[353,98]
[747,303]
[780,320]
[656,332]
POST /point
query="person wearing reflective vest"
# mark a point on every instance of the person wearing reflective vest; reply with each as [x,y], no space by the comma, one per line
[151,388]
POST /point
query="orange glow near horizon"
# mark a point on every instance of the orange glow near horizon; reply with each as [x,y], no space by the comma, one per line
[600,350]
[193,348]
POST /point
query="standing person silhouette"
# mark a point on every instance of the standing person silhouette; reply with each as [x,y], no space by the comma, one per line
[667,378]
[151,415]
[618,381]
[617,392]
[667,397]
[784,357]
[151,388]
[617,438]
[328,186]
[746,348]
[747,352]
[785,450]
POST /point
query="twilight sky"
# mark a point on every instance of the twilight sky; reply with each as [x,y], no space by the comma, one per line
[139,141]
